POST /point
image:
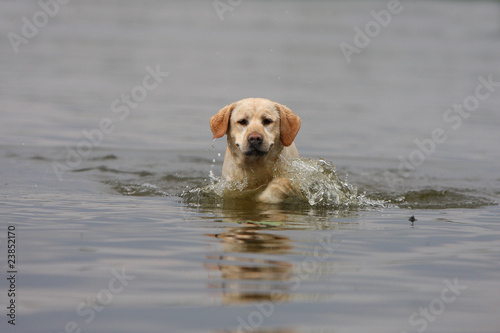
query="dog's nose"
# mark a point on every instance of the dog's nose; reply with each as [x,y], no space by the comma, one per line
[255,139]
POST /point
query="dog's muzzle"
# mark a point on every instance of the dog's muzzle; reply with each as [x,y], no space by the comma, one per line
[255,142]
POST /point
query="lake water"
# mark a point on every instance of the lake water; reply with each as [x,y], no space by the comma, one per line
[105,145]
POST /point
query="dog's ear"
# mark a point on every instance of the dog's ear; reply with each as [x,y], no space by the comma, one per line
[289,124]
[220,121]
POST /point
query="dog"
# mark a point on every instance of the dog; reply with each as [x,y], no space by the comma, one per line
[260,135]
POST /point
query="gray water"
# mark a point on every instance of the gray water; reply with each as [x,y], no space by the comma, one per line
[103,167]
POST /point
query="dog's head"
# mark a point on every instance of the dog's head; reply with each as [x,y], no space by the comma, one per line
[255,126]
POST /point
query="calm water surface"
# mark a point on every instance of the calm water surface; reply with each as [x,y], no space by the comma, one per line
[99,146]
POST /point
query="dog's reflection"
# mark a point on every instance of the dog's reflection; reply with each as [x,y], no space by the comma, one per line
[249,265]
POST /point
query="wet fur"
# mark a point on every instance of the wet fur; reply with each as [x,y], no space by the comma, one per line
[260,136]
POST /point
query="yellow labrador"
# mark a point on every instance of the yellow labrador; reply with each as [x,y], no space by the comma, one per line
[260,136]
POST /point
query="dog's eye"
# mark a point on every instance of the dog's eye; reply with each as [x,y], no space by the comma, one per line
[242,122]
[267,121]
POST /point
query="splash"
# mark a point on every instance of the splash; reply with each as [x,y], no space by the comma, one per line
[320,185]
[317,182]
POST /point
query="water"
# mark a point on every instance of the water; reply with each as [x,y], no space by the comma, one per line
[108,175]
